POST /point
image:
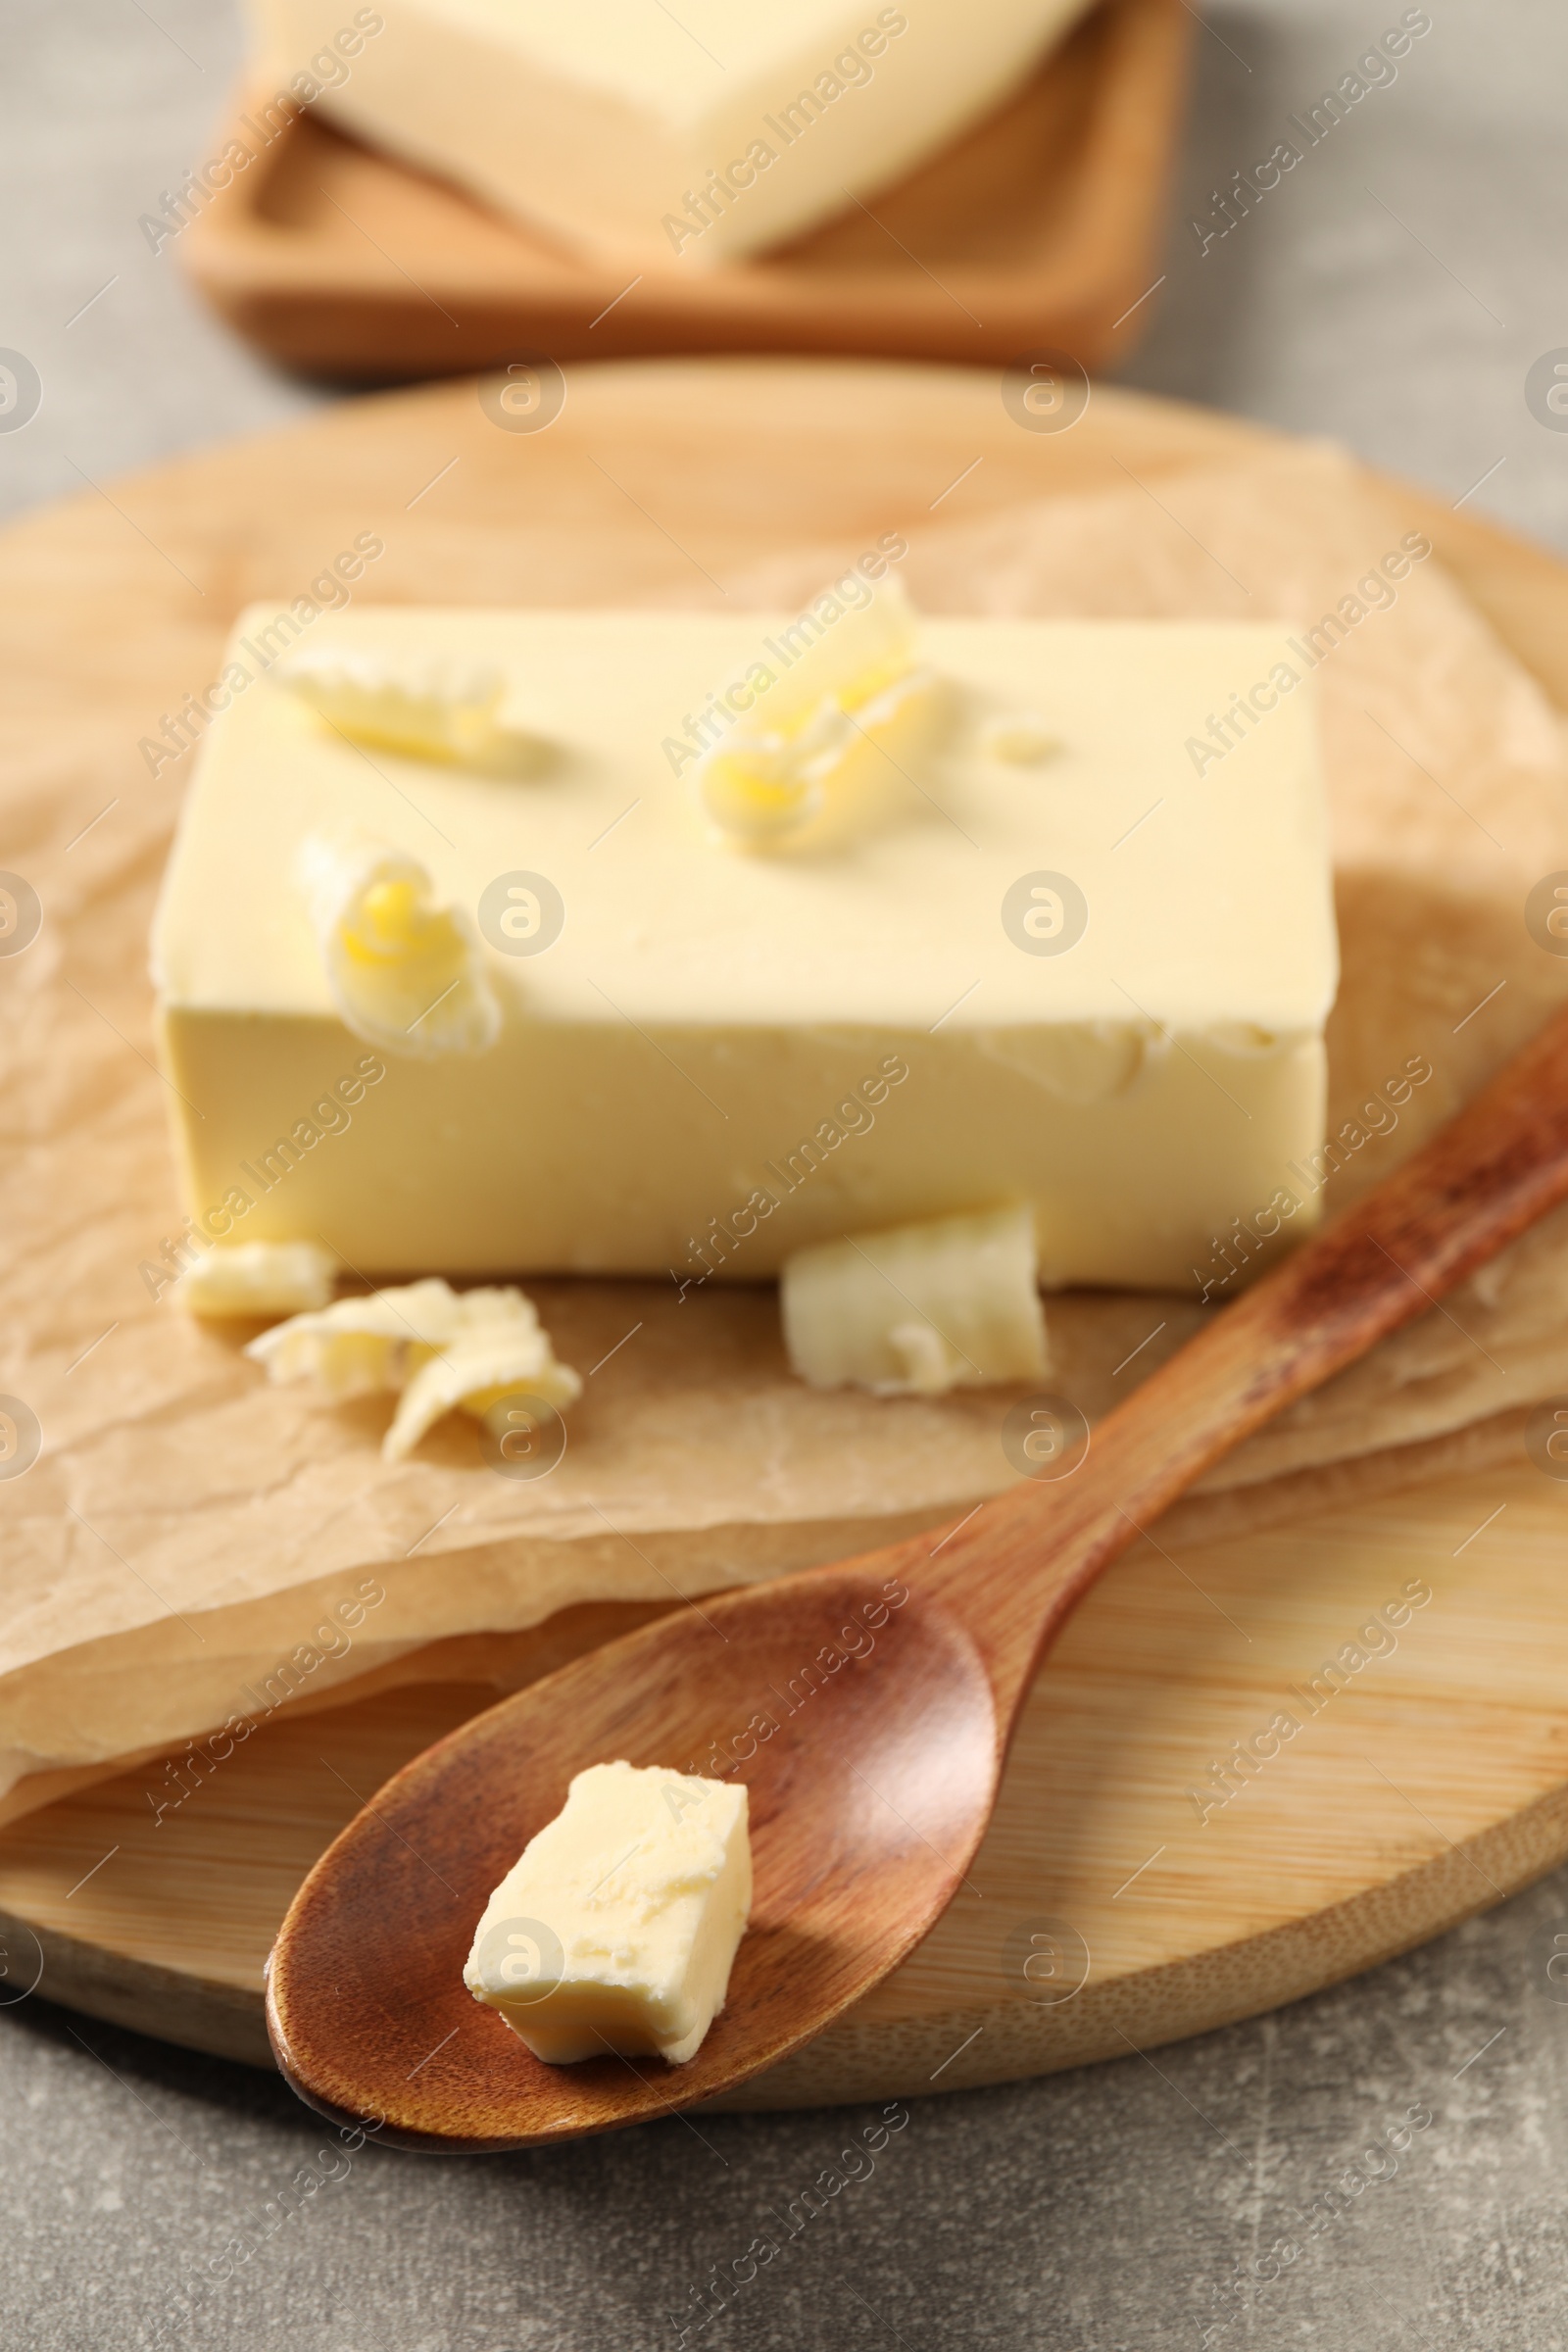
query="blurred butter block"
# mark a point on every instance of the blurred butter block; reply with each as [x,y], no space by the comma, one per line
[1091,981]
[702,132]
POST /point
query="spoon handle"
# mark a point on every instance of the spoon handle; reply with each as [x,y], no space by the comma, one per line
[1014,1570]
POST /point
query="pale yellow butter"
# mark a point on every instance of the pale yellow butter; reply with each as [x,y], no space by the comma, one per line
[616,1928]
[921,1309]
[703,1061]
[434,1348]
[661,136]
[430,712]
[258,1278]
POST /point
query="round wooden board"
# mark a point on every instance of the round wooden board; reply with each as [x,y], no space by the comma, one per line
[1110,1909]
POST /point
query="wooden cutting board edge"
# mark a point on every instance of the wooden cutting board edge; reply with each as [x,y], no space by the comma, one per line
[886,2057]
[1524,591]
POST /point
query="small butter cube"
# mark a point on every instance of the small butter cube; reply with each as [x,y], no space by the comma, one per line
[952,1303]
[258,1278]
[617,1928]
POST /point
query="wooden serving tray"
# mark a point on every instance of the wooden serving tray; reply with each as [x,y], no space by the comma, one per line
[1041,227]
[1110,1909]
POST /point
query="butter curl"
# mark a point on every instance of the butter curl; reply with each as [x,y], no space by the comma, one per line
[406,973]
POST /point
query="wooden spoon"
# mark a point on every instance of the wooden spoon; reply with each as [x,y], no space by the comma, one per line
[872,1788]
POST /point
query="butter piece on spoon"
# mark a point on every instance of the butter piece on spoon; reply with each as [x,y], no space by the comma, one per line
[617,1928]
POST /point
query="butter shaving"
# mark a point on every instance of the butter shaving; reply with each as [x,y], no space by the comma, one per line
[439,1347]
[258,1278]
[918,1309]
[849,661]
[758,789]
[406,975]
[359,1345]
[853,692]
[476,1373]
[425,708]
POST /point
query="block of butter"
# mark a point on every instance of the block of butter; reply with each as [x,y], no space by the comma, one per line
[616,1928]
[1055,947]
[653,135]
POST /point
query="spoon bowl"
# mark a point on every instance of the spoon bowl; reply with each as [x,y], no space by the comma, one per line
[861,1719]
[867,1707]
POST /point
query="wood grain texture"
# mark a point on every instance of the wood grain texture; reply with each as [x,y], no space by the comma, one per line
[864,1804]
[1434,1780]
[1039,226]
[866,1811]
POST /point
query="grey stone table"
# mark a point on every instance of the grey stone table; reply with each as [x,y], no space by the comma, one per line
[1395,290]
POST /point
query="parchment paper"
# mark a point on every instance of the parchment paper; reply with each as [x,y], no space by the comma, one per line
[186,1531]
